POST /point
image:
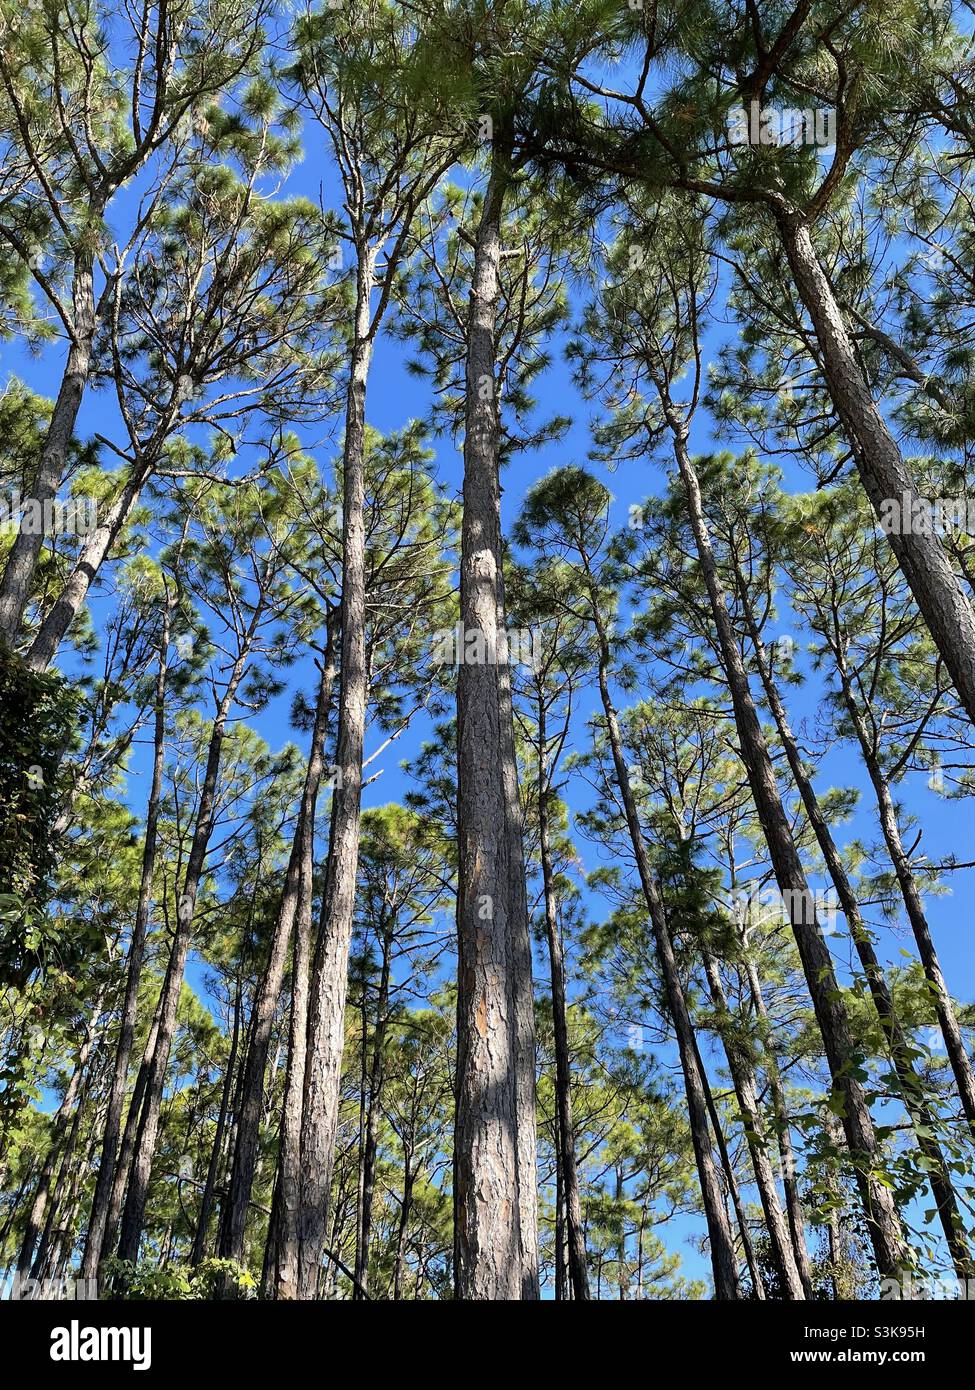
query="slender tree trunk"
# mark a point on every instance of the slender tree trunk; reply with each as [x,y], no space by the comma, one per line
[790,1184]
[910,1085]
[98,544]
[569,1178]
[22,559]
[724,1263]
[961,1064]
[406,1208]
[63,1197]
[59,1131]
[731,1181]
[936,588]
[495,1190]
[330,970]
[249,1110]
[879,1208]
[562,1286]
[198,1251]
[377,1077]
[743,1079]
[101,1202]
[619,1195]
[133,1214]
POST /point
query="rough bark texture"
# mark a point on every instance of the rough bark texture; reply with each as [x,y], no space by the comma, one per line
[936,588]
[496,1239]
[880,1211]
[743,1080]
[899,1046]
[22,559]
[329,982]
[101,1201]
[567,1173]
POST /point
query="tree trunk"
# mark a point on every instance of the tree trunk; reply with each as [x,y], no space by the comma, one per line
[101,1202]
[145,1140]
[790,1184]
[22,559]
[495,1191]
[58,620]
[724,1263]
[249,1110]
[880,1211]
[731,1181]
[377,1076]
[936,588]
[198,1251]
[404,1223]
[56,1146]
[329,982]
[569,1178]
[743,1079]
[961,1065]
[899,1047]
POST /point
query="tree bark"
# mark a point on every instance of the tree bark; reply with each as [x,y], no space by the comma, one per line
[790,1184]
[198,1250]
[724,1263]
[66,607]
[936,588]
[898,1044]
[133,1214]
[234,1216]
[568,1174]
[22,559]
[880,1212]
[329,982]
[495,1193]
[743,1080]
[377,1076]
[958,1057]
[731,1181]
[101,1202]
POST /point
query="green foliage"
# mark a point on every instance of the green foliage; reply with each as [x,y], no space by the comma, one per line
[40,716]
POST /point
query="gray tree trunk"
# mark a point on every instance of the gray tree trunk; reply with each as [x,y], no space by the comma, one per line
[494,1155]
[898,1043]
[568,1174]
[133,1214]
[880,1211]
[101,1201]
[22,559]
[329,981]
[743,1079]
[936,588]
[250,1106]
